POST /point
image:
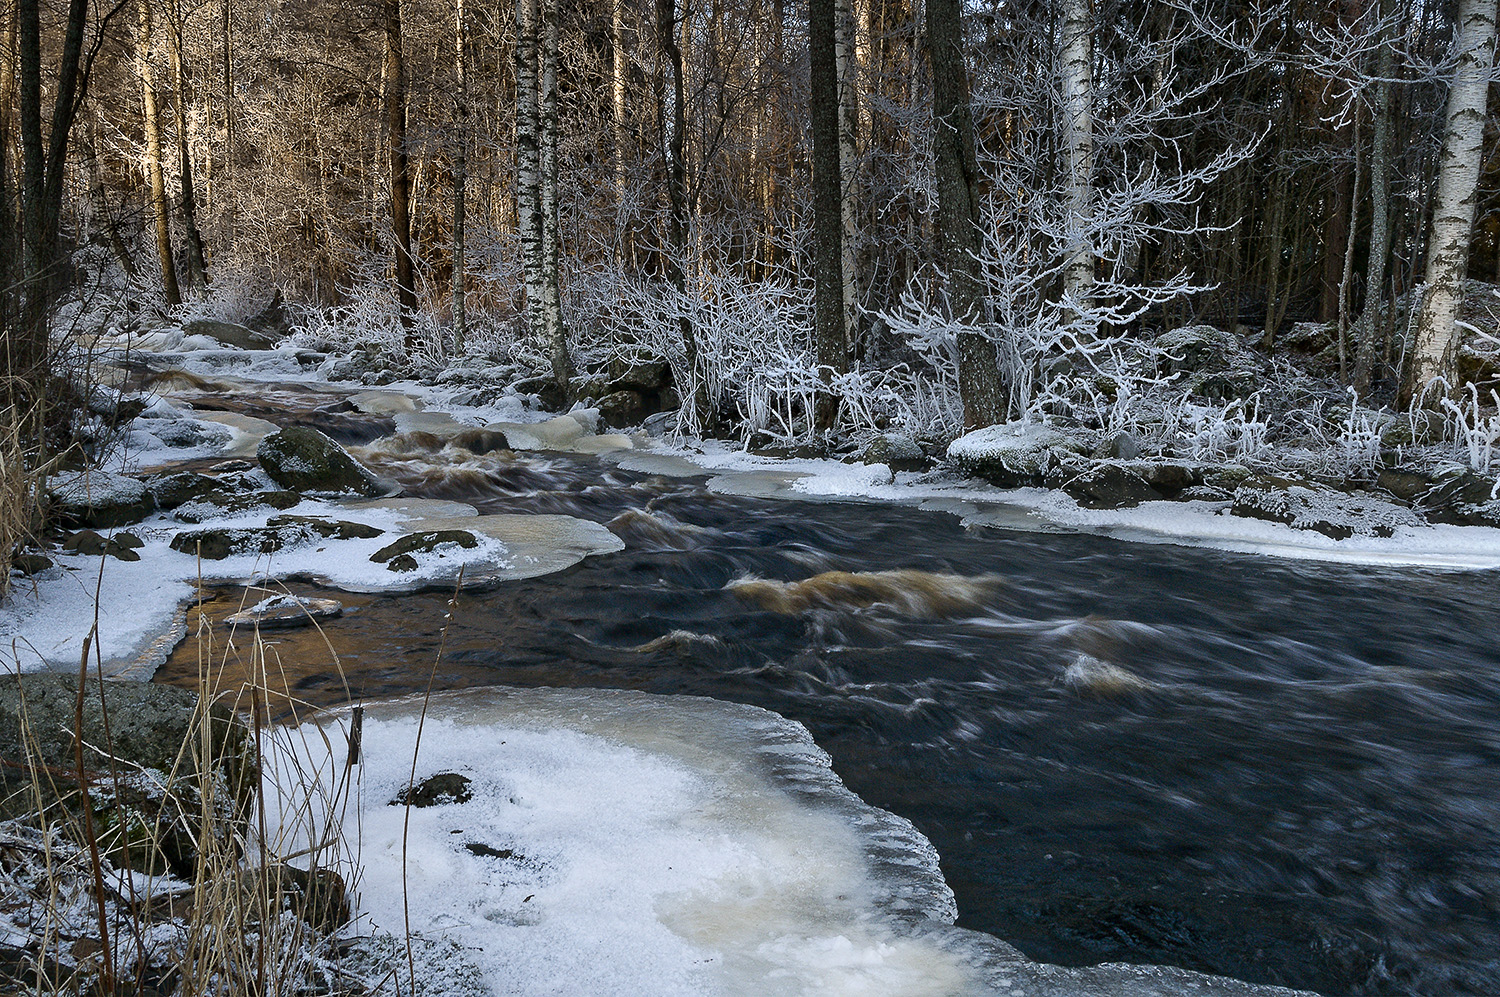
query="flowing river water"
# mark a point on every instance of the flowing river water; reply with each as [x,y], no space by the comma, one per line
[1279,771]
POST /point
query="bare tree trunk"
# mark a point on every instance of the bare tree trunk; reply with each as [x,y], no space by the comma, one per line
[1371,324]
[619,68]
[1274,226]
[460,175]
[677,207]
[957,175]
[830,328]
[1347,275]
[10,222]
[552,320]
[197,264]
[847,59]
[1453,209]
[528,162]
[1078,139]
[227,68]
[154,173]
[400,173]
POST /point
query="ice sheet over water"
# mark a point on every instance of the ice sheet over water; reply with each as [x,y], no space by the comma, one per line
[622,843]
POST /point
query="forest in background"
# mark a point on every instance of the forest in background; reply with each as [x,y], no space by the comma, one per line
[831,217]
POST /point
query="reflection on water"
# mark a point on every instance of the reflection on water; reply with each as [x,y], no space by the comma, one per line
[1281,772]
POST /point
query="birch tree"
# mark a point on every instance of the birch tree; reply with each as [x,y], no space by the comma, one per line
[1453,205]
[536,179]
[1077,73]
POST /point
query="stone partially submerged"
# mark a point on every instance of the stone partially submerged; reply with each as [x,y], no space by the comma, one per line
[305,460]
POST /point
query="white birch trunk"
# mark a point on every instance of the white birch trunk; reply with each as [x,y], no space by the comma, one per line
[528,163]
[1453,207]
[1078,140]
[555,333]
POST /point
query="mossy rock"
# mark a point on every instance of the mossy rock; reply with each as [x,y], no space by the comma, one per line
[220,503]
[328,529]
[217,544]
[398,555]
[305,460]
[141,766]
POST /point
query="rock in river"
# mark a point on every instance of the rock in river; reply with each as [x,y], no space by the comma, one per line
[307,461]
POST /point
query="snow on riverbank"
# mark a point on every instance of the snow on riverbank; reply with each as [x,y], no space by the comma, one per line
[140,602]
[627,844]
[1196,524]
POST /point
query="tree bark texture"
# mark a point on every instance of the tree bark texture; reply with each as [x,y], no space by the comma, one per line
[460,175]
[155,175]
[197,260]
[1453,206]
[830,332]
[1371,322]
[957,174]
[674,135]
[536,178]
[398,166]
[1077,71]
[848,69]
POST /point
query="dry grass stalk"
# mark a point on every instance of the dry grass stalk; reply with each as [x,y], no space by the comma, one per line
[256,912]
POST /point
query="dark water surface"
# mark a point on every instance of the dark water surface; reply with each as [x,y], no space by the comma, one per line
[1295,778]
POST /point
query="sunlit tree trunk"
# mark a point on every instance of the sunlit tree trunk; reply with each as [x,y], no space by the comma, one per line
[400,173]
[1453,207]
[188,205]
[155,175]
[957,175]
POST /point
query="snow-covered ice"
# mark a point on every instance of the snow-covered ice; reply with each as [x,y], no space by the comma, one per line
[628,844]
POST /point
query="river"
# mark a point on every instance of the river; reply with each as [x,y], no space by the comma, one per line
[1284,772]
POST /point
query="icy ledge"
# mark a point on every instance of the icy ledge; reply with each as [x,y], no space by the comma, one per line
[622,843]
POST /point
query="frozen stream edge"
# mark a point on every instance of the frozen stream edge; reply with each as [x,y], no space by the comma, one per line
[631,843]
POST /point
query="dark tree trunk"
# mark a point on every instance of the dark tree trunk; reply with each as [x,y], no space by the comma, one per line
[957,174]
[829,332]
[395,127]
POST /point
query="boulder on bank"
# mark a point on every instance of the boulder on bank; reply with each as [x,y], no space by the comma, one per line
[899,453]
[1305,505]
[305,460]
[99,499]
[1451,494]
[146,742]
[399,555]
[1016,454]
[174,489]
[1210,362]
[1109,485]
